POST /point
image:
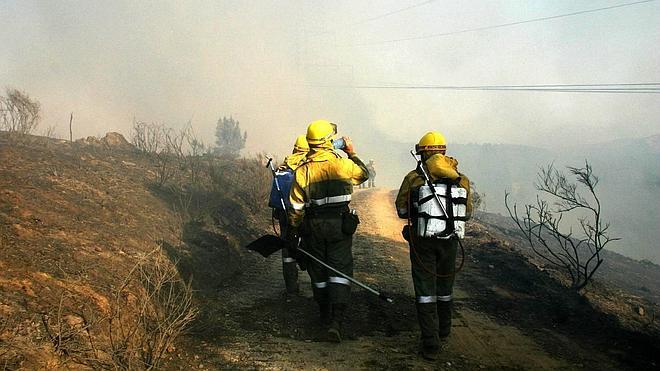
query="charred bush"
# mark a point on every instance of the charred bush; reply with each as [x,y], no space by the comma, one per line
[19,114]
[579,257]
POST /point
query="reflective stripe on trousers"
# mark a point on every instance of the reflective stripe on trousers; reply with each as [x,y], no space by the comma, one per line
[433,299]
[339,280]
[288,260]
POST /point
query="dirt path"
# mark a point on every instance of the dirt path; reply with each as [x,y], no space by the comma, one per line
[252,324]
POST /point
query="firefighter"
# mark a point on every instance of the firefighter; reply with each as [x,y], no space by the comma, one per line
[320,192]
[371,166]
[432,236]
[291,163]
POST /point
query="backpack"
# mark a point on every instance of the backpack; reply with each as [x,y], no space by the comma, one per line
[428,217]
[285,179]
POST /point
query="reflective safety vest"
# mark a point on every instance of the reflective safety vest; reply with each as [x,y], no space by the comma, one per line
[325,181]
[429,218]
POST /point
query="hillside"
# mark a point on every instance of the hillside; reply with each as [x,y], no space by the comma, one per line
[76,217]
[628,170]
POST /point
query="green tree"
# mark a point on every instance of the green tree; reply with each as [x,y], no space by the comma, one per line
[228,137]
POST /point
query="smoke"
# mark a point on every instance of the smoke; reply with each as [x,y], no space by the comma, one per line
[164,62]
[263,62]
[275,66]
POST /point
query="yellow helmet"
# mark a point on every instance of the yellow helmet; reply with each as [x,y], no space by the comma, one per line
[301,144]
[431,141]
[320,132]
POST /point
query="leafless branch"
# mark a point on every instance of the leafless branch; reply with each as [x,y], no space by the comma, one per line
[580,258]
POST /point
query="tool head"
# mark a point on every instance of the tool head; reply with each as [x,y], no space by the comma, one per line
[266,245]
[388,299]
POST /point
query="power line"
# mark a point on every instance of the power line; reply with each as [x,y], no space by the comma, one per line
[616,88]
[422,37]
[367,20]
[392,13]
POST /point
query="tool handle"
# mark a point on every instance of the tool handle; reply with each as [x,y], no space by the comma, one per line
[277,183]
[380,295]
[420,164]
[428,181]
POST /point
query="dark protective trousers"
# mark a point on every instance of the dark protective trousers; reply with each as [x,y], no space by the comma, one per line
[433,264]
[325,240]
[289,267]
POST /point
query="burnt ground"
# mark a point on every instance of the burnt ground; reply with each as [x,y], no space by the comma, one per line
[508,314]
[73,219]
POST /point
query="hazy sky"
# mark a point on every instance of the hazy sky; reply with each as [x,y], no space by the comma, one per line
[170,62]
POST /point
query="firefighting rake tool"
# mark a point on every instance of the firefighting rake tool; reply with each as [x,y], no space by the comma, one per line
[268,244]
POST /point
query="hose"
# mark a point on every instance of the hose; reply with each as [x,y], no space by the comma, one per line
[277,233]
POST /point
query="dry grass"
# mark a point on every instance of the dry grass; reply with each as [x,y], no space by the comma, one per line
[247,178]
[150,308]
[75,218]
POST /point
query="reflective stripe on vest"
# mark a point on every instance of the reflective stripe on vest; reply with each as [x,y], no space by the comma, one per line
[339,280]
[329,200]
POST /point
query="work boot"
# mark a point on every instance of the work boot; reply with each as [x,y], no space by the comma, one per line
[334,330]
[444,318]
[429,352]
[428,325]
[325,311]
[290,272]
[292,286]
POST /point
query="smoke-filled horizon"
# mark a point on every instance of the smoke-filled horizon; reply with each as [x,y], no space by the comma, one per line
[275,66]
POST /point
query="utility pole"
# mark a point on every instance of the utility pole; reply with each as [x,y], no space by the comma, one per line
[70,130]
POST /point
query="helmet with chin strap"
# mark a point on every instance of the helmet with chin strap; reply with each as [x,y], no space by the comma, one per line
[431,141]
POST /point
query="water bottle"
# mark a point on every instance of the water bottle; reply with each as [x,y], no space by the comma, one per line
[339,143]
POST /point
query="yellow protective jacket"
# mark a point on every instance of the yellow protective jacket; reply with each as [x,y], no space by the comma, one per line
[439,167]
[294,160]
[325,180]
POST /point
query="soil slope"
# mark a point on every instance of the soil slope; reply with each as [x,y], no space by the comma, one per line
[508,314]
[74,217]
